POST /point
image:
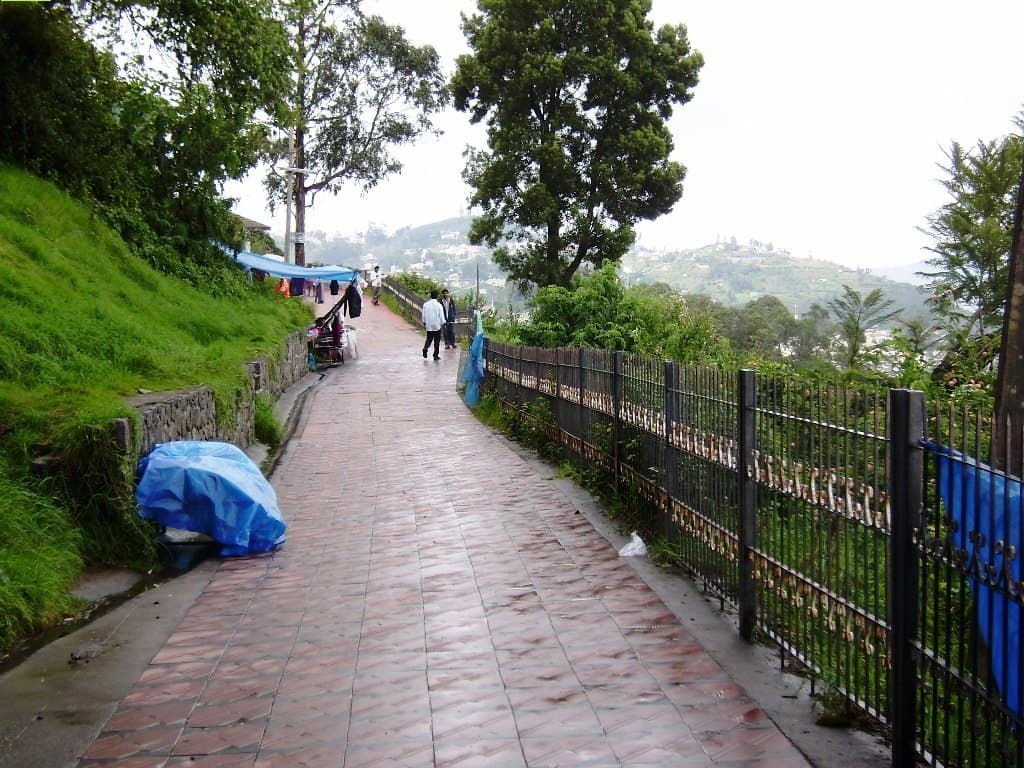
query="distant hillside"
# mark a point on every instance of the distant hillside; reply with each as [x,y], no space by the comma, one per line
[727,272]
[906,273]
[736,274]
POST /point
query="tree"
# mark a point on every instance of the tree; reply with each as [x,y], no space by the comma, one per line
[600,312]
[1008,452]
[360,89]
[856,315]
[812,336]
[972,239]
[575,95]
[762,328]
[909,346]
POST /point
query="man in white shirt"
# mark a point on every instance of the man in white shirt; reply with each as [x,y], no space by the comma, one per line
[376,280]
[432,315]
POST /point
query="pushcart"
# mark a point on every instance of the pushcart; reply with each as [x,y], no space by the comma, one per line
[327,339]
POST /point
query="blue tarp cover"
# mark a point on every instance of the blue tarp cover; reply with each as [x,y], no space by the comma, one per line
[473,373]
[282,269]
[211,488]
[986,507]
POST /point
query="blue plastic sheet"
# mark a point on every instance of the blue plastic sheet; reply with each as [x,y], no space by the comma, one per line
[214,489]
[986,507]
[473,373]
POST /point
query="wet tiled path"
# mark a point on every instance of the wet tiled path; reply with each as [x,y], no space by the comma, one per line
[437,603]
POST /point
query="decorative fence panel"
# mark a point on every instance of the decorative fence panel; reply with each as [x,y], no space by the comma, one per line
[842,522]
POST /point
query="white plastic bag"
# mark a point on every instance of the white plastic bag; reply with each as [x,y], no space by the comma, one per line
[635,548]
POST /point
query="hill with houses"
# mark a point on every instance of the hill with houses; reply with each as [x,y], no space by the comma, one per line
[728,272]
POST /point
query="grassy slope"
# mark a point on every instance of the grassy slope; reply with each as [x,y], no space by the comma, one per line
[83,323]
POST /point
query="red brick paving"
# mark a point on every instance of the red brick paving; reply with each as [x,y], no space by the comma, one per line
[436,604]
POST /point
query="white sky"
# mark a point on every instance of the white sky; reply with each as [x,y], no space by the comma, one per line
[816,126]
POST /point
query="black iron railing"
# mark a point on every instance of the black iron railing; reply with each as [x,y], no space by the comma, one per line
[411,306]
[820,512]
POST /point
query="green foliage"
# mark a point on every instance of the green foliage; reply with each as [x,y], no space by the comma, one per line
[84,324]
[95,480]
[855,315]
[268,427]
[39,559]
[600,312]
[972,236]
[910,344]
[812,337]
[148,151]
[235,50]
[261,242]
[761,327]
[490,411]
[576,97]
[417,284]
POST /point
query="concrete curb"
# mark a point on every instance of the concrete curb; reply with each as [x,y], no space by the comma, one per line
[55,703]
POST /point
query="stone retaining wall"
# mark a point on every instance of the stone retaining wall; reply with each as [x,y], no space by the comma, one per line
[191,414]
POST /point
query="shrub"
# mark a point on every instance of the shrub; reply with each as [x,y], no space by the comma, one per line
[268,427]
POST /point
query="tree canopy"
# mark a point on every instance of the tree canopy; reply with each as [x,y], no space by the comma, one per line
[855,315]
[598,311]
[972,235]
[360,89]
[149,143]
[575,96]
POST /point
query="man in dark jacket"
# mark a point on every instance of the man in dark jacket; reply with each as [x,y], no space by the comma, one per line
[448,304]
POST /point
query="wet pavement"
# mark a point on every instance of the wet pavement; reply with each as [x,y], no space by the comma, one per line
[440,601]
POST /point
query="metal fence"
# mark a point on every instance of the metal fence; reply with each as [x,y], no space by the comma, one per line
[853,527]
[411,306]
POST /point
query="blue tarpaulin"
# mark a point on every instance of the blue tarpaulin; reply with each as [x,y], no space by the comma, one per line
[473,373]
[985,506]
[214,489]
[283,269]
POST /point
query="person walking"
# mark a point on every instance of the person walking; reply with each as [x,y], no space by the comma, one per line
[432,315]
[448,305]
[376,280]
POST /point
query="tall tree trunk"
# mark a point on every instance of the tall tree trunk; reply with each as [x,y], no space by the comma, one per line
[1009,422]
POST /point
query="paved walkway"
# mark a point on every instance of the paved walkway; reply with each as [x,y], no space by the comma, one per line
[438,602]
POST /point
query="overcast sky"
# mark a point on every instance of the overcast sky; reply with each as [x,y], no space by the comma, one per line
[818,127]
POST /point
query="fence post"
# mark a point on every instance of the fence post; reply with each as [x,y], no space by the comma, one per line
[558,374]
[671,401]
[905,489]
[671,411]
[747,432]
[617,409]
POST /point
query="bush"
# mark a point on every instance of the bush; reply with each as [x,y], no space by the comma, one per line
[417,284]
[269,430]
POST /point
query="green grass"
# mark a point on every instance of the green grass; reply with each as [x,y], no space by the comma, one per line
[84,324]
[268,427]
[39,559]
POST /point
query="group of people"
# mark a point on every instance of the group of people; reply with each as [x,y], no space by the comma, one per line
[438,315]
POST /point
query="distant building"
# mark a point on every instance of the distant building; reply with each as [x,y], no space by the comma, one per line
[249,226]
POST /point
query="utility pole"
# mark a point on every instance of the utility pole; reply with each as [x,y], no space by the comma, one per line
[289,257]
[299,155]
